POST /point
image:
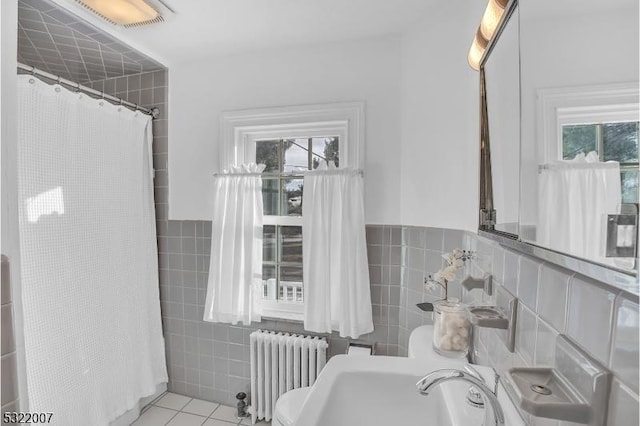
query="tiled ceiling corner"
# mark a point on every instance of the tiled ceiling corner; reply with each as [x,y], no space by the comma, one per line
[56,41]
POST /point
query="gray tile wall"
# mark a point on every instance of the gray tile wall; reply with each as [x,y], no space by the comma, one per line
[211,361]
[422,250]
[601,320]
[57,41]
[9,373]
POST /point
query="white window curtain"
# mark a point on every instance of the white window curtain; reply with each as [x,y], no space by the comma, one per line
[88,256]
[581,193]
[335,269]
[235,271]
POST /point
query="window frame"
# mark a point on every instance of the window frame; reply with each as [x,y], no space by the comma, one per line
[241,130]
[558,107]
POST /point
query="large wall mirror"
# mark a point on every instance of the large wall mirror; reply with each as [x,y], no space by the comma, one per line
[561,116]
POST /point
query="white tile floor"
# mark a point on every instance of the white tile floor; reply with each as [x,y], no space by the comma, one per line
[171,409]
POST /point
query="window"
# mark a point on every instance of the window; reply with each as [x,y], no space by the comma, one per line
[613,142]
[282,192]
[593,118]
[290,141]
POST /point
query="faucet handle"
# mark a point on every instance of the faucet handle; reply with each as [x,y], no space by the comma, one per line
[496,377]
[475,373]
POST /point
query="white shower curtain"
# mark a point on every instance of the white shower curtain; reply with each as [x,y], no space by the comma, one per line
[235,269]
[335,269]
[90,294]
[579,194]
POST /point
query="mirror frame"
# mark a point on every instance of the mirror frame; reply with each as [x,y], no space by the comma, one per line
[618,278]
[487,219]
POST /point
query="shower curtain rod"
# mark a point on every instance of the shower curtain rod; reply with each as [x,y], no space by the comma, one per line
[153,112]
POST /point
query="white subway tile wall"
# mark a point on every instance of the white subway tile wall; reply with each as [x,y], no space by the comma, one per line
[552,295]
[544,342]
[591,316]
[528,278]
[624,346]
[599,319]
[526,333]
[623,405]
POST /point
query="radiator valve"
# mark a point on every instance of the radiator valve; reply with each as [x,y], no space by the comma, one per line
[242,406]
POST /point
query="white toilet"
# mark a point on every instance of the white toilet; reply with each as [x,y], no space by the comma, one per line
[288,407]
[289,404]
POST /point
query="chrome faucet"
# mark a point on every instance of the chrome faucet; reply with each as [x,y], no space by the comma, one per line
[432,380]
[474,396]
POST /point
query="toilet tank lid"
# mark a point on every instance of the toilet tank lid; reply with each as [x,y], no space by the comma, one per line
[421,344]
[289,405]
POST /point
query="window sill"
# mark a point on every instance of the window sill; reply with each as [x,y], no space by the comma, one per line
[286,317]
[282,311]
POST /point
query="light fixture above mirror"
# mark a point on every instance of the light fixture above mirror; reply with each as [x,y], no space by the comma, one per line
[490,21]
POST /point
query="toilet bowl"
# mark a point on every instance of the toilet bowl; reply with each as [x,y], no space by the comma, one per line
[288,407]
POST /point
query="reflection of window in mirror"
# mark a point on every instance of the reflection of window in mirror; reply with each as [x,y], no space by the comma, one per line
[612,142]
[587,167]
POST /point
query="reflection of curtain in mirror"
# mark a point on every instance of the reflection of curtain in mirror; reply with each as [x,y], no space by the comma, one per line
[574,201]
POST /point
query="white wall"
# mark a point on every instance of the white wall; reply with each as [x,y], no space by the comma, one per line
[199,91]
[440,124]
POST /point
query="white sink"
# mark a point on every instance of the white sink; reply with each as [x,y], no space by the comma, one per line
[381,391]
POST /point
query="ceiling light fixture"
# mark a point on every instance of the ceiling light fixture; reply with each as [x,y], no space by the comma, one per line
[126,13]
[488,25]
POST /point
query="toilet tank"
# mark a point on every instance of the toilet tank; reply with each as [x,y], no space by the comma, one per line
[421,346]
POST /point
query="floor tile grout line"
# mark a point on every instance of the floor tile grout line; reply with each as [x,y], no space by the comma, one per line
[176,413]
